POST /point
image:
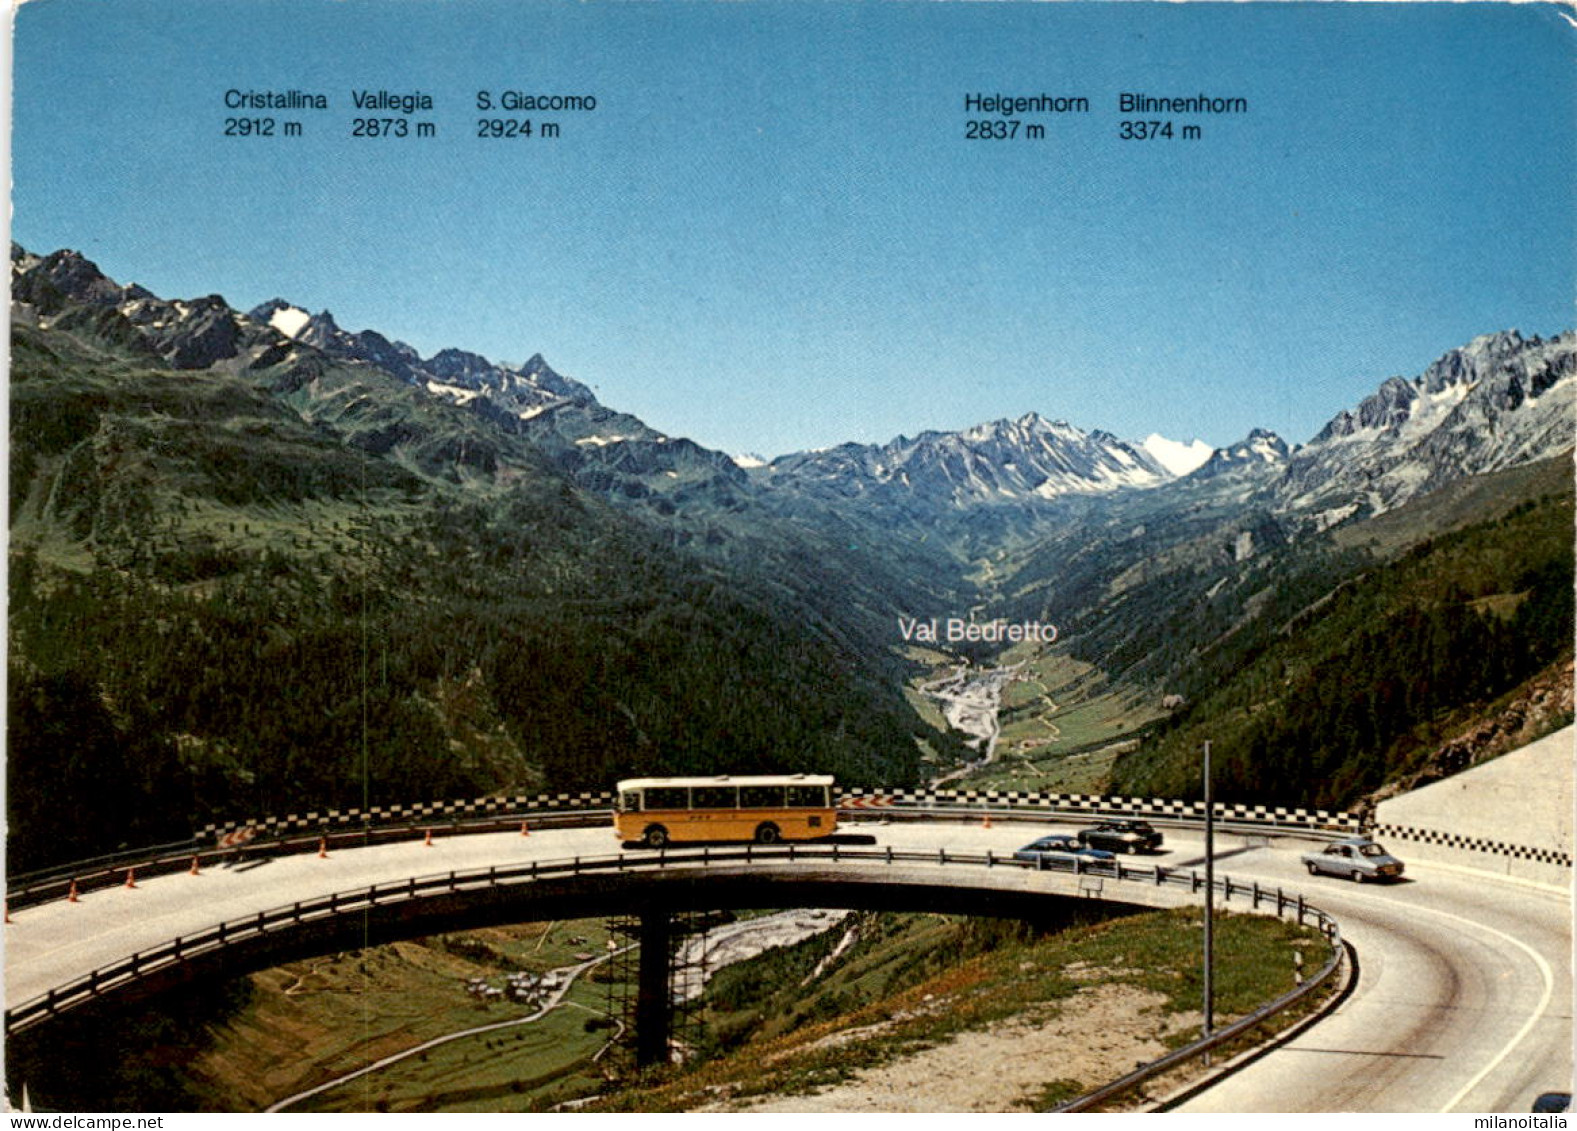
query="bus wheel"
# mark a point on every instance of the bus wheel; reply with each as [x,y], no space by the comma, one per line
[768,834]
[655,837]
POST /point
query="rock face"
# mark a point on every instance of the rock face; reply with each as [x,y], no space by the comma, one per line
[454,374]
[1497,402]
[1544,705]
[1259,452]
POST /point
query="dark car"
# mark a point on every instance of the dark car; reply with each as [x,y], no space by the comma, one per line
[1061,848]
[1122,836]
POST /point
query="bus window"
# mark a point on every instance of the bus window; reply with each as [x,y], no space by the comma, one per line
[667,797]
[761,797]
[630,801]
[807,796]
[715,797]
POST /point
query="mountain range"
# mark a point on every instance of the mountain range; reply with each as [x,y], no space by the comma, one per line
[1499,401]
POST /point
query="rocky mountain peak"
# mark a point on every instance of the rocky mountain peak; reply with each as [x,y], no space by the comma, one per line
[1261,449]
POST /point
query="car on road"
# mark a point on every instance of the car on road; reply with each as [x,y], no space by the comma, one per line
[1061,847]
[1122,836]
[1356,858]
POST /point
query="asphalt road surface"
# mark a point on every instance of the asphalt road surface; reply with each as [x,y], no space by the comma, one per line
[1463,1000]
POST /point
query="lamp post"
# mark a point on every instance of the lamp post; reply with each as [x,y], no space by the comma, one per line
[1210,898]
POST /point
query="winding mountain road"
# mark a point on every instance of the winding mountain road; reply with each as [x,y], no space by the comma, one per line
[1462,1001]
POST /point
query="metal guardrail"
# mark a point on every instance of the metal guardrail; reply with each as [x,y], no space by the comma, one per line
[111,869]
[230,932]
[1332,931]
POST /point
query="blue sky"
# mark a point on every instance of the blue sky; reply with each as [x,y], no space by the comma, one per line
[772,234]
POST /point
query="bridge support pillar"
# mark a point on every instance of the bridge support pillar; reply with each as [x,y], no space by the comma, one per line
[653,1009]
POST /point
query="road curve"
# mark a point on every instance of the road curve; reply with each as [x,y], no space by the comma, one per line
[1463,1000]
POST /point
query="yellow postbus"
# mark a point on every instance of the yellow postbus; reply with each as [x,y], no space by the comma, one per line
[662,811]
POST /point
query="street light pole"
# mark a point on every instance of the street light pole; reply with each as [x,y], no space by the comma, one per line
[1210,898]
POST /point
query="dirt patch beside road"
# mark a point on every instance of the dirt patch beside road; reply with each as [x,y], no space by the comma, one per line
[1095,1036]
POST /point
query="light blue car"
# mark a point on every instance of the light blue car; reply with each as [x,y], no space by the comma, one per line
[1357,858]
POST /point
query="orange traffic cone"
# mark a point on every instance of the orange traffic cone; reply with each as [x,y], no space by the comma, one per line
[985,822]
[131,877]
[323,848]
[8,911]
[71,896]
[524,830]
[428,842]
[195,869]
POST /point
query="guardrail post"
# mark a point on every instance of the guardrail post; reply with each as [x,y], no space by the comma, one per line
[1226,885]
[453,884]
[941,854]
[990,859]
[889,854]
[1280,901]
[260,922]
[1256,895]
[177,946]
[1300,909]
[1160,875]
[410,887]
[1193,883]
[222,928]
[835,851]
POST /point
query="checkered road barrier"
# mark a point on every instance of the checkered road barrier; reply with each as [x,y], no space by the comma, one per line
[344,819]
[1463,843]
[1086,803]
[849,799]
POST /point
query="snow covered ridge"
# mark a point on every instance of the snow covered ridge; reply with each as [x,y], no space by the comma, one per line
[453,374]
[1003,460]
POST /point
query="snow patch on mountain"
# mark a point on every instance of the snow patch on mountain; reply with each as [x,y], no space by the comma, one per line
[1176,456]
[290,320]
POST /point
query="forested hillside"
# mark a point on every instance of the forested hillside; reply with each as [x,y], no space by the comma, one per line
[1325,706]
[223,606]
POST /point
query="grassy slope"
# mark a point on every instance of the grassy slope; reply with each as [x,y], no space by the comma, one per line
[917,981]
[252,1042]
